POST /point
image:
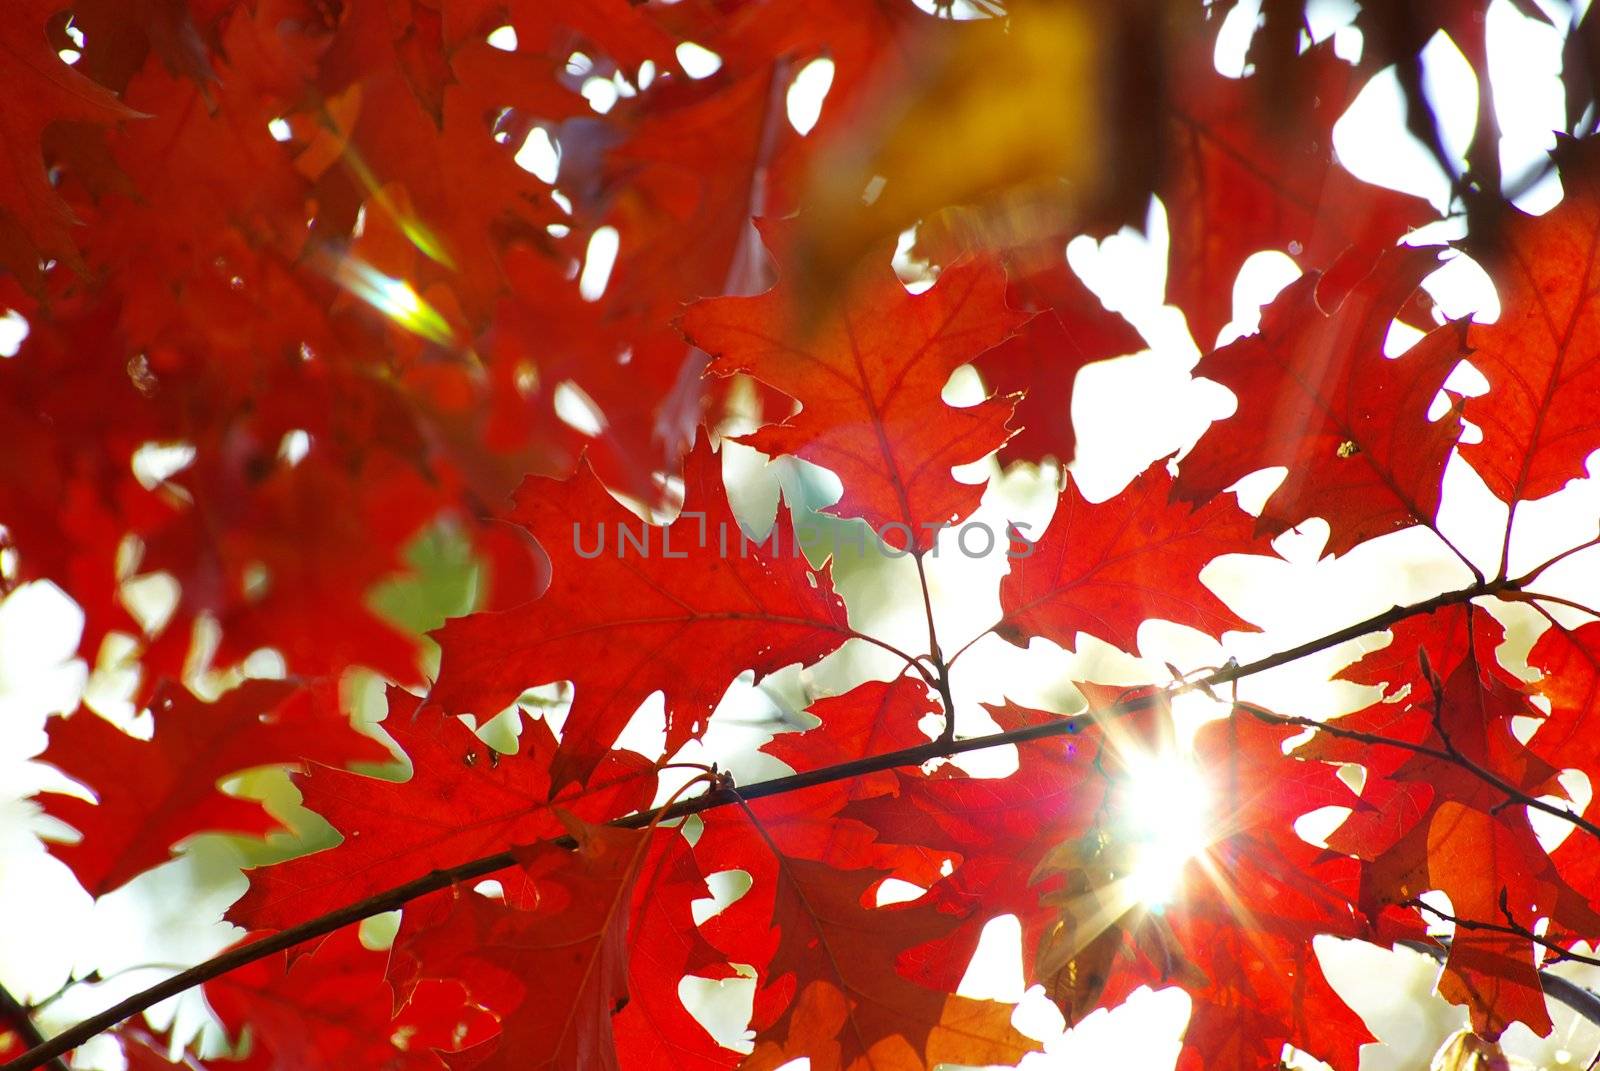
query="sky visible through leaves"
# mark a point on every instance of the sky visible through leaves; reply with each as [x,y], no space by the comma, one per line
[152,914]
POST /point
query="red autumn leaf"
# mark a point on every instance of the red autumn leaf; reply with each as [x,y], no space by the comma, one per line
[655,1030]
[868,379]
[332,1008]
[39,89]
[865,46]
[293,574]
[868,720]
[994,831]
[1442,684]
[1027,844]
[556,972]
[463,800]
[1042,361]
[1570,662]
[1316,395]
[181,33]
[1243,179]
[152,794]
[698,165]
[1540,355]
[1103,568]
[830,988]
[1489,872]
[816,823]
[1442,819]
[1256,898]
[621,622]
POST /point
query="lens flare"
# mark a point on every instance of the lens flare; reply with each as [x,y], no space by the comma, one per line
[395,298]
[1165,808]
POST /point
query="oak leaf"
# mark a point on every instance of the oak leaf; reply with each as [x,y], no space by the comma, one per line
[1242,178]
[39,89]
[1540,356]
[333,1008]
[1104,568]
[463,800]
[150,795]
[556,971]
[1317,395]
[621,622]
[832,968]
[868,378]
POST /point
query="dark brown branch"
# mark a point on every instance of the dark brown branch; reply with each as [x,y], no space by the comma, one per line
[19,1015]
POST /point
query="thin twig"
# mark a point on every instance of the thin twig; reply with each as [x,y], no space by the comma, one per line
[1510,929]
[1535,597]
[1451,755]
[1563,556]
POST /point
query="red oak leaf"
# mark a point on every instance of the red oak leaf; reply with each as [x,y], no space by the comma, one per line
[665,946]
[126,32]
[830,988]
[866,45]
[332,1008]
[1253,903]
[653,1028]
[870,719]
[463,800]
[557,970]
[684,616]
[868,379]
[38,88]
[1570,662]
[1042,361]
[1317,395]
[1240,182]
[1542,356]
[1436,813]
[865,722]
[152,794]
[1490,873]
[1051,845]
[1103,568]
[993,831]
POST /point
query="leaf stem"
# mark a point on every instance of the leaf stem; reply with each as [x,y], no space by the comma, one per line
[914,663]
[941,681]
[1538,571]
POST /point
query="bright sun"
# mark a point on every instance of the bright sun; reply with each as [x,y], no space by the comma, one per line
[1166,808]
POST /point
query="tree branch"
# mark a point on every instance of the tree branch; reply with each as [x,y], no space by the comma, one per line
[16,1013]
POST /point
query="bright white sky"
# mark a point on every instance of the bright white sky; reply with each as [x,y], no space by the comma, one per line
[165,916]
